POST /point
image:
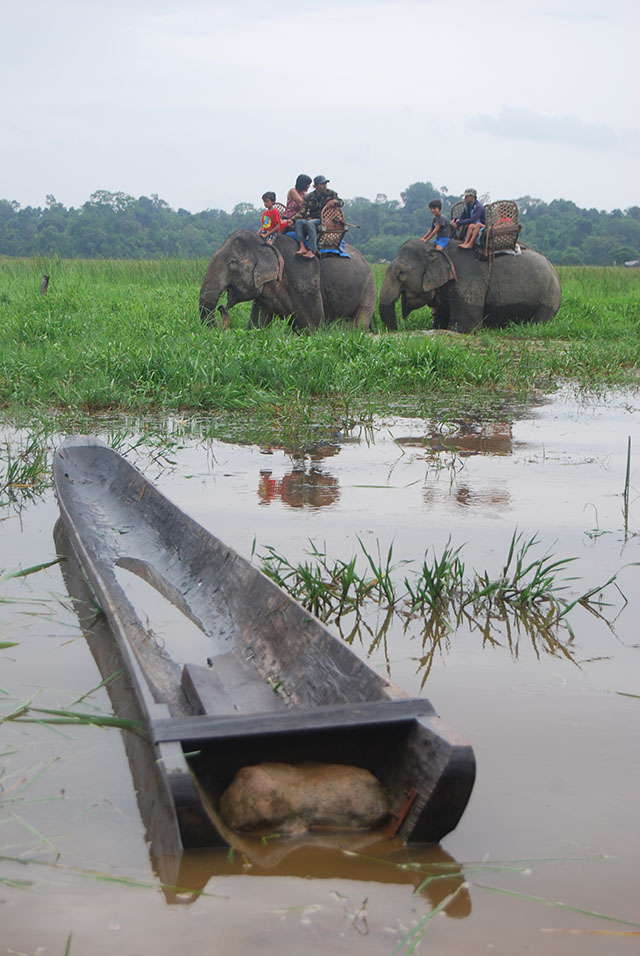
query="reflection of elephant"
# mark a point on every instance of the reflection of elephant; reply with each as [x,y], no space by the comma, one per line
[465,291]
[281,283]
[465,438]
[299,489]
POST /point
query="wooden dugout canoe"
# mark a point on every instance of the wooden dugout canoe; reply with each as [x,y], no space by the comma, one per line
[210,714]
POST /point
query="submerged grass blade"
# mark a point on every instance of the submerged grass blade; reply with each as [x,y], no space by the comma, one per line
[15,884]
[557,904]
[23,572]
[55,716]
[108,878]
[102,683]
[36,833]
[412,939]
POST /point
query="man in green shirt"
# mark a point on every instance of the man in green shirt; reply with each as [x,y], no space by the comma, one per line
[307,219]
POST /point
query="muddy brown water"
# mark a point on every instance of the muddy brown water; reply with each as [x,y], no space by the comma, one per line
[551,834]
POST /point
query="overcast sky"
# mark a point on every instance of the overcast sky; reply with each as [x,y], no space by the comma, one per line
[211,102]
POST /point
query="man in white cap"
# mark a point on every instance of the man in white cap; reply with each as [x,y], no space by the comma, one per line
[307,220]
[472,217]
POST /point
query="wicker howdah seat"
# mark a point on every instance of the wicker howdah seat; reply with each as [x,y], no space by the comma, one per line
[502,226]
[332,228]
[456,212]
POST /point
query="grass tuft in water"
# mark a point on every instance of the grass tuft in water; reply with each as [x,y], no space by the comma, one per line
[438,581]
[25,467]
[524,598]
[524,581]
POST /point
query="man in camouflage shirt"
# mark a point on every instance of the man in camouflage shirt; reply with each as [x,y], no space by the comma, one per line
[307,219]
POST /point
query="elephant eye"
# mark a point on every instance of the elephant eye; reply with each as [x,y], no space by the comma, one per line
[402,275]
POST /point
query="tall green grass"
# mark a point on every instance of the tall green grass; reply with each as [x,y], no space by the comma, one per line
[125,336]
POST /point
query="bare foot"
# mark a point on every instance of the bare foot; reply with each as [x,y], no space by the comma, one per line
[308,254]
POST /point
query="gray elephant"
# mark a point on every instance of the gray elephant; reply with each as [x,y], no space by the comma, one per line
[465,291]
[281,283]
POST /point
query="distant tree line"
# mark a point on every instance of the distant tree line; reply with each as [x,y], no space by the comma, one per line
[118,226]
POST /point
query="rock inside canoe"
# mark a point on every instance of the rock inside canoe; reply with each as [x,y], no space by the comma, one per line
[292,799]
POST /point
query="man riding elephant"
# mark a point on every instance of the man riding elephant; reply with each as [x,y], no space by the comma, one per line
[472,219]
[307,220]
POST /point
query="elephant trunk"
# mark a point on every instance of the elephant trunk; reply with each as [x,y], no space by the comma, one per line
[389,294]
[209,296]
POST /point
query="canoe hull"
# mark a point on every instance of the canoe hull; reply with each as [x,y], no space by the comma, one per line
[270,681]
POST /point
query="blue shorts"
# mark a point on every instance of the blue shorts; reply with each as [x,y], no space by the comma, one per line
[442,242]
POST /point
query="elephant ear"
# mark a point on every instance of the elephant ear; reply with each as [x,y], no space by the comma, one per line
[439,270]
[268,266]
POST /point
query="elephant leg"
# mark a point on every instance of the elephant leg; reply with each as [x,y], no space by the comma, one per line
[543,313]
[366,307]
[464,317]
[260,316]
[441,313]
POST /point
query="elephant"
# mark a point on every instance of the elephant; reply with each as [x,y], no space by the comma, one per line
[466,291]
[280,283]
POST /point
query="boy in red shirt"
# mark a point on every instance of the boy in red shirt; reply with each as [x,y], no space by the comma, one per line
[271,222]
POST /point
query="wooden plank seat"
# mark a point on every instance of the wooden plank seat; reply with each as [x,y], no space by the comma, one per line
[228,686]
[332,228]
[353,716]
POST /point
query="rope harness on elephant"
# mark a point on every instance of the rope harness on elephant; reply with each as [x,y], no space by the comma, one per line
[280,261]
[454,274]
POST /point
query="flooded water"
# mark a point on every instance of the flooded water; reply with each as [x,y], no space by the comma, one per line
[550,838]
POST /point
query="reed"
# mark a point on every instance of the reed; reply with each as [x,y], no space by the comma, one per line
[525,597]
[523,581]
[438,582]
[625,493]
[25,467]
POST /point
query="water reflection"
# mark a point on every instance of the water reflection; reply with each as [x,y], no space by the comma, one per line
[514,629]
[443,447]
[314,452]
[299,488]
[465,495]
[434,874]
[465,438]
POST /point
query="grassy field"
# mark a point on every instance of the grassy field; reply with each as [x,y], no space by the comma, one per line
[121,336]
